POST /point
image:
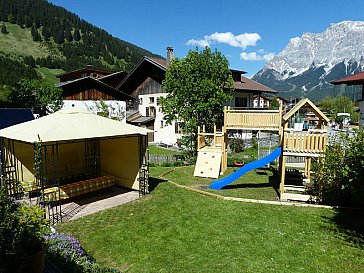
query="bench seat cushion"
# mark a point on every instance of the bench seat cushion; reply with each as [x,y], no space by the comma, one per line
[78,188]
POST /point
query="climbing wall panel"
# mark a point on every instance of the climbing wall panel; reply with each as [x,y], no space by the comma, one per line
[208,163]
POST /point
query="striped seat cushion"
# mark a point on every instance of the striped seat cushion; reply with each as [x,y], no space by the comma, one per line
[78,188]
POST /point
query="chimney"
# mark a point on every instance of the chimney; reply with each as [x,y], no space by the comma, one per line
[169,54]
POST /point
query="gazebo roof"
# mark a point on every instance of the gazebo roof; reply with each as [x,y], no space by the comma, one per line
[306,103]
[68,125]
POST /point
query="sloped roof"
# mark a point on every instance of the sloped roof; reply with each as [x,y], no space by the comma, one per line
[306,103]
[147,67]
[249,85]
[13,116]
[70,124]
[355,79]
[119,94]
[113,79]
[85,69]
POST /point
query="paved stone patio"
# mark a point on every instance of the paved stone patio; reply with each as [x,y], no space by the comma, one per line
[97,201]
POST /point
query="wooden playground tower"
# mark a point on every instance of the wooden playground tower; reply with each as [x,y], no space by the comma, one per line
[307,144]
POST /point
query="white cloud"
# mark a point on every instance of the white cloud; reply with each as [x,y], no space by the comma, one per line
[199,43]
[253,56]
[242,40]
[268,56]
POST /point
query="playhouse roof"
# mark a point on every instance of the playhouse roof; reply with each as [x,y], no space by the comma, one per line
[70,124]
[306,103]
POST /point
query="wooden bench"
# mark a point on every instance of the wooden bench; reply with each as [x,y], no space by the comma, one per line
[78,188]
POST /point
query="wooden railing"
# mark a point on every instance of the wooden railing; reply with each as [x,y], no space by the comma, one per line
[252,119]
[304,143]
[215,139]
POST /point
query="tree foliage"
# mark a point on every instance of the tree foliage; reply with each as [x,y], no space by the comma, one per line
[11,72]
[197,87]
[339,176]
[4,29]
[333,106]
[274,105]
[42,97]
[106,110]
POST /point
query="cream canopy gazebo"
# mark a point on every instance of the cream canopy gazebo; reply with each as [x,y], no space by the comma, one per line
[72,143]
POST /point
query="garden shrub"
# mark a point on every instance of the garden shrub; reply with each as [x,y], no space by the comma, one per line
[67,253]
[236,145]
[21,233]
[339,177]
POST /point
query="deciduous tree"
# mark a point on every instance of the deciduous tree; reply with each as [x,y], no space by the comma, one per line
[41,96]
[197,87]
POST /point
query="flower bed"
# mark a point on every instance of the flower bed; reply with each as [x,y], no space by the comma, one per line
[67,253]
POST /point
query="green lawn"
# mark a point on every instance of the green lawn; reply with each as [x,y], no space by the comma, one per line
[175,230]
[155,150]
[256,184]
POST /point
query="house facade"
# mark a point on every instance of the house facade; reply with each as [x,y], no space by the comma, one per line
[144,84]
[85,87]
[356,79]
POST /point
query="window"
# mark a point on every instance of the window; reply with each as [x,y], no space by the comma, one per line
[162,123]
[241,102]
[178,127]
[150,111]
[141,101]
[151,100]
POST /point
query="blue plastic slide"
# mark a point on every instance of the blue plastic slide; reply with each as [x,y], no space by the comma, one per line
[218,184]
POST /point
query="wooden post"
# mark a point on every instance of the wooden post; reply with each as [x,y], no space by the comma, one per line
[224,151]
[282,168]
[198,138]
[215,138]
[280,130]
[308,167]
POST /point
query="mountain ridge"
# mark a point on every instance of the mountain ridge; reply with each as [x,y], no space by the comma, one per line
[307,65]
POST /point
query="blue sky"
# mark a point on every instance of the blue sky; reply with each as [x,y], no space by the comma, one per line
[247,32]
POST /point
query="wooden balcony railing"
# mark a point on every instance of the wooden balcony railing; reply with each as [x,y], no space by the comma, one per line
[304,143]
[252,119]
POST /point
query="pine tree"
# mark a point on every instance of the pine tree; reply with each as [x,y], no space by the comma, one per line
[68,35]
[46,34]
[77,35]
[4,30]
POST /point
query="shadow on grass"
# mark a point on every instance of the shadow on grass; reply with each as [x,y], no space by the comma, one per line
[274,181]
[246,185]
[349,226]
[154,182]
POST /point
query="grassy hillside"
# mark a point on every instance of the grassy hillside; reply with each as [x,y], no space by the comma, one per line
[38,37]
[19,42]
[49,74]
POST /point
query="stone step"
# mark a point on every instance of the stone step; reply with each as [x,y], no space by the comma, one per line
[294,188]
[295,197]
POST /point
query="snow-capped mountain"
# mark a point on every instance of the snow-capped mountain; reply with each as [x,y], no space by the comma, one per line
[309,63]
